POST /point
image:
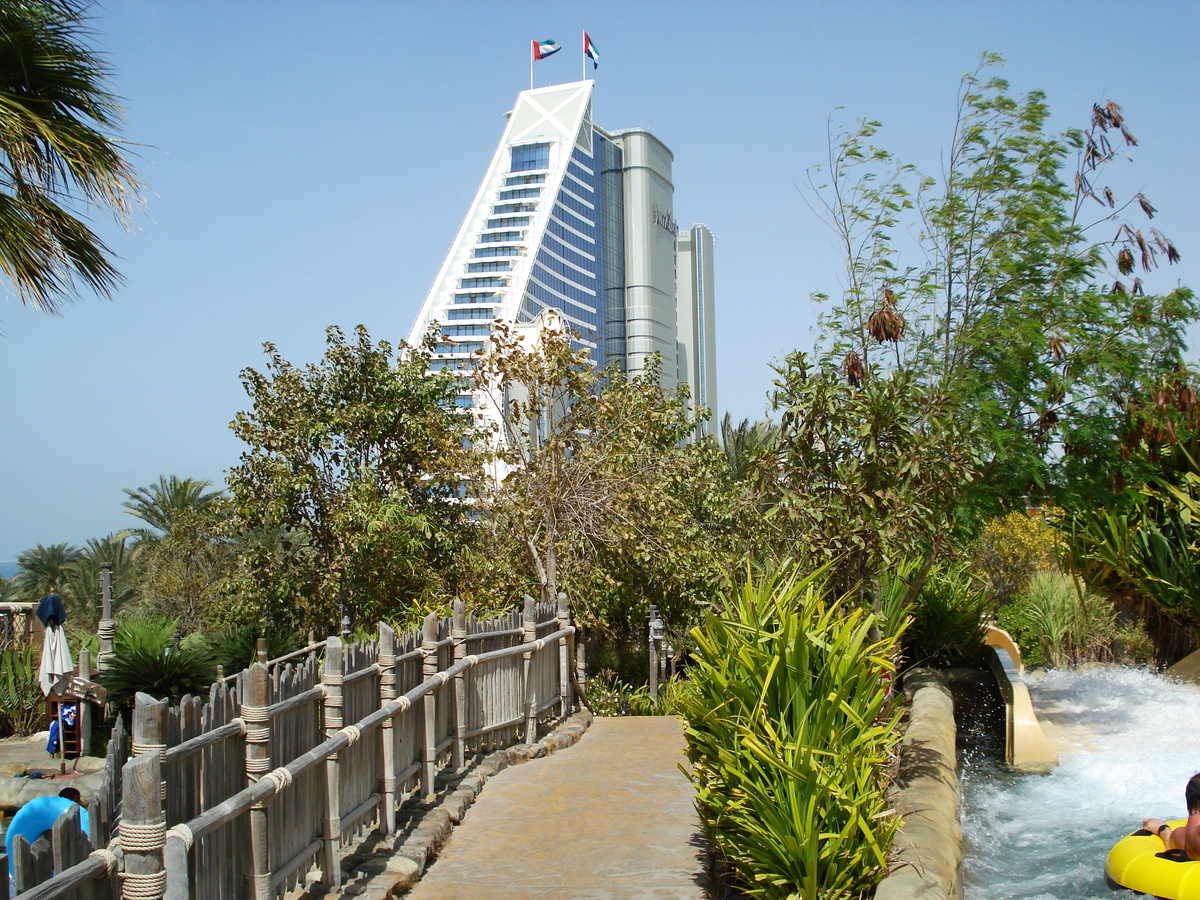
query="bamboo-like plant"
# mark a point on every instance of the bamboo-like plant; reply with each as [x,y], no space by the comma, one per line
[789,733]
[22,707]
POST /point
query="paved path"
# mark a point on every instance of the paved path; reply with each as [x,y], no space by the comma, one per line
[608,819]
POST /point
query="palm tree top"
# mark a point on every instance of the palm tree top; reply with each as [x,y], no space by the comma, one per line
[159,505]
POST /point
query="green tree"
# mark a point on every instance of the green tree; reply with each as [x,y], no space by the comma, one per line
[595,478]
[57,154]
[42,569]
[164,504]
[83,579]
[352,484]
[1021,309]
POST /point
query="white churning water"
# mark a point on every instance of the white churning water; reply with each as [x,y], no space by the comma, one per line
[1128,742]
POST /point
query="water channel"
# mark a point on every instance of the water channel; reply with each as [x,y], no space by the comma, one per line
[1128,742]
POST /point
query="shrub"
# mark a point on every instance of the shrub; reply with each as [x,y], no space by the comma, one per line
[789,732]
[1058,624]
[1011,551]
[22,705]
[947,620]
[145,659]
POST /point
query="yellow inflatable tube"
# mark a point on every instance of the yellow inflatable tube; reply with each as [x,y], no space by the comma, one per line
[1139,863]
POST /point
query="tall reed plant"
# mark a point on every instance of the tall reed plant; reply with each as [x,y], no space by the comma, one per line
[789,733]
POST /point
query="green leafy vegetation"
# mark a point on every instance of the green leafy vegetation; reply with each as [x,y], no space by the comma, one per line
[790,730]
[22,705]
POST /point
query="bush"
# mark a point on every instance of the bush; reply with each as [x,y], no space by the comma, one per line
[608,695]
[146,659]
[789,732]
[1058,624]
[22,705]
[1011,551]
[947,620]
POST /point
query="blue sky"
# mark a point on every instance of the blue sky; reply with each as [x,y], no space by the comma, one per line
[308,163]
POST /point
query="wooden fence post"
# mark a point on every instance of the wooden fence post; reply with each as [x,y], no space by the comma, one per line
[143,829]
[529,635]
[149,732]
[331,680]
[387,692]
[565,701]
[107,627]
[458,634]
[85,706]
[429,667]
[258,763]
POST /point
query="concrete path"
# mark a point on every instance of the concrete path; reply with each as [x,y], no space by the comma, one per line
[608,819]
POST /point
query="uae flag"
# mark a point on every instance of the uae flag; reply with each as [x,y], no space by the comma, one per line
[542,49]
[589,49]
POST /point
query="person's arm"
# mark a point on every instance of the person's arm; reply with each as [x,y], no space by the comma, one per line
[1161,828]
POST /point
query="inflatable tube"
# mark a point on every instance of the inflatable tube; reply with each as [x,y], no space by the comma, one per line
[36,816]
[1138,862]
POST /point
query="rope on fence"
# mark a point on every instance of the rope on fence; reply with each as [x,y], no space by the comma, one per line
[184,834]
[108,857]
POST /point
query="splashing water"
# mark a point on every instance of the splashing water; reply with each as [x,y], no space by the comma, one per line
[1128,741]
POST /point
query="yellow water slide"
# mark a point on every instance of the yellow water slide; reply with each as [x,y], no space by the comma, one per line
[1026,746]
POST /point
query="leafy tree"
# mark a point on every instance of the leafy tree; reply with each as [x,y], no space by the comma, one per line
[595,477]
[162,505]
[42,569]
[351,486]
[1021,310]
[83,579]
[57,153]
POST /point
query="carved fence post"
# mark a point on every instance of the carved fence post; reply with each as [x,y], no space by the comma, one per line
[331,680]
[387,692]
[143,829]
[429,667]
[107,627]
[565,701]
[85,706]
[258,763]
[529,628]
[458,634]
[149,732]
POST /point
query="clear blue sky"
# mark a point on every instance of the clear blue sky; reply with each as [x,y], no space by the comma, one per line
[309,162]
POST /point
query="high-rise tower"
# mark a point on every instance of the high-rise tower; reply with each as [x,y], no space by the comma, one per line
[578,219]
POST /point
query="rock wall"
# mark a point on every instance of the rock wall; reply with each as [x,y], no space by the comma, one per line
[928,846]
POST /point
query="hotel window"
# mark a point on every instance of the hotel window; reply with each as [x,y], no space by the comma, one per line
[530,157]
[474,312]
[520,193]
[480,297]
[525,179]
[508,221]
[496,265]
[465,330]
[502,209]
[490,281]
[500,236]
[481,252]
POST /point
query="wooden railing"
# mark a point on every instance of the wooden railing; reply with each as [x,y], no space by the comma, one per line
[18,625]
[241,796]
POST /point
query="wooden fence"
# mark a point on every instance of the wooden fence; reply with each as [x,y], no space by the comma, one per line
[241,796]
[19,626]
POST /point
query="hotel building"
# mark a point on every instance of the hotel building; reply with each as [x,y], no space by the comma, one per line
[574,218]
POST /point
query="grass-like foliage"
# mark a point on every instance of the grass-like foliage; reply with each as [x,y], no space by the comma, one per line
[789,733]
[22,706]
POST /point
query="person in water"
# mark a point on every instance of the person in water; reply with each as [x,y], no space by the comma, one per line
[1185,837]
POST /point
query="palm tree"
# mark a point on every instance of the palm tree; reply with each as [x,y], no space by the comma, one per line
[83,578]
[41,569]
[747,445]
[56,154]
[163,505]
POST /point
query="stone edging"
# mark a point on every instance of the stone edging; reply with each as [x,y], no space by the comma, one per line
[928,846]
[385,868]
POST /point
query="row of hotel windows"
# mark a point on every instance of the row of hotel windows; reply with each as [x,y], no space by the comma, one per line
[474,312]
[530,157]
[507,222]
[525,179]
[520,193]
[489,281]
[476,297]
[459,347]
[495,265]
[498,237]
[501,209]
[481,252]
[465,330]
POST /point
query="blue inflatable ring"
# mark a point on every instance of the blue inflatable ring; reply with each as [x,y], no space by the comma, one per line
[36,816]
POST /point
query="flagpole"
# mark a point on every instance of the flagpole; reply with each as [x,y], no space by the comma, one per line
[583,57]
[531,66]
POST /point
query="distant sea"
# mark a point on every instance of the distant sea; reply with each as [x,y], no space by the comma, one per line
[8,569]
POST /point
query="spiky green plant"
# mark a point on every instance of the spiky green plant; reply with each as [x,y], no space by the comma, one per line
[789,733]
[22,706]
[146,659]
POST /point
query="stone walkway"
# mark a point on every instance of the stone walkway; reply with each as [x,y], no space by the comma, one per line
[608,819]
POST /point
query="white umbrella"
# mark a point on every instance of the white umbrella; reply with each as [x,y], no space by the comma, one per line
[56,659]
